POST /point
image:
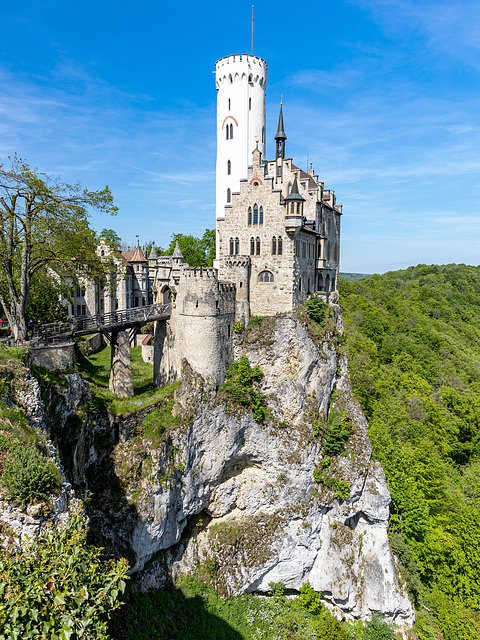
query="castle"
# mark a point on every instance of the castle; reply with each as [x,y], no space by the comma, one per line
[277,241]
[277,235]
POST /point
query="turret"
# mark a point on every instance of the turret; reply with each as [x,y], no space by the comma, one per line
[294,208]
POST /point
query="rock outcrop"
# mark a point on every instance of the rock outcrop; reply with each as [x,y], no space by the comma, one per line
[236,500]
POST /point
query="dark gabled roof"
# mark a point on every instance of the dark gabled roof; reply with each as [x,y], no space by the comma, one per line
[306,176]
[294,195]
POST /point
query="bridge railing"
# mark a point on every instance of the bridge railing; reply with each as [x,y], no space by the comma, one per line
[86,324]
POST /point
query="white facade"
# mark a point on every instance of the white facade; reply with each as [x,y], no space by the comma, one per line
[241,81]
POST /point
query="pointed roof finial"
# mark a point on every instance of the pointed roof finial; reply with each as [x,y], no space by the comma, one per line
[294,194]
[177,252]
[280,135]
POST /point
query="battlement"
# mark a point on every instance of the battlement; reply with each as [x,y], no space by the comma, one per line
[239,67]
[199,273]
[237,261]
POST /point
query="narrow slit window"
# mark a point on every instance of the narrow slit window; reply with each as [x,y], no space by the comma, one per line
[280,246]
[258,246]
[229,167]
[249,104]
[227,132]
[261,216]
[231,132]
[229,195]
[252,246]
[255,214]
[231,246]
[274,246]
[249,215]
[237,246]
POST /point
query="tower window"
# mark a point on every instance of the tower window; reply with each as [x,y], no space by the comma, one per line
[263,134]
[227,132]
[265,276]
[279,171]
[229,167]
[231,132]
[249,215]
[249,104]
[237,246]
[231,246]
[261,216]
[274,246]
[229,195]
[280,246]
[255,214]
[229,104]
[252,246]
[258,246]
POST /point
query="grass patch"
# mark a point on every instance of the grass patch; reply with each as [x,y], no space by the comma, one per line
[96,369]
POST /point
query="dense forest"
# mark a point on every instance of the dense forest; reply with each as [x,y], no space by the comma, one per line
[413,343]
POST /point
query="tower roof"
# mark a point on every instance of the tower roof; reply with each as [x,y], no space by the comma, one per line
[177,252]
[280,135]
[138,256]
[294,194]
[153,252]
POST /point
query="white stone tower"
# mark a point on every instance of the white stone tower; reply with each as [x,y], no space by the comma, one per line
[241,81]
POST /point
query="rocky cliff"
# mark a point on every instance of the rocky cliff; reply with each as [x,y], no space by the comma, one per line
[196,484]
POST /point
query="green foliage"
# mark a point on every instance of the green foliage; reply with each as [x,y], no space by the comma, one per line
[310,600]
[255,321]
[413,343]
[239,387]
[336,433]
[343,489]
[58,587]
[316,309]
[330,628]
[28,474]
[111,237]
[238,327]
[44,299]
[378,629]
[197,252]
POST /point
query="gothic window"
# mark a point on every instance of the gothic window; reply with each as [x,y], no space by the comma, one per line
[261,216]
[237,246]
[298,207]
[255,214]
[252,246]
[229,195]
[229,167]
[265,276]
[231,132]
[279,246]
[274,246]
[258,246]
[227,132]
[249,104]
[231,246]
[249,215]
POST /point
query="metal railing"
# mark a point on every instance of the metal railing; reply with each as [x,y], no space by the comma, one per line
[105,321]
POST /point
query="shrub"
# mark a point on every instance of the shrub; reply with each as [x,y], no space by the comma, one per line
[336,433]
[378,629]
[58,587]
[310,600]
[343,489]
[330,628]
[238,327]
[240,378]
[316,309]
[255,321]
[29,474]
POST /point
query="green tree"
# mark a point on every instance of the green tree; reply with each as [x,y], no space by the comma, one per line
[43,225]
[111,237]
[58,587]
[197,252]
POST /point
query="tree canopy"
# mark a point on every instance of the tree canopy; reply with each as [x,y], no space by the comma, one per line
[44,228]
[197,252]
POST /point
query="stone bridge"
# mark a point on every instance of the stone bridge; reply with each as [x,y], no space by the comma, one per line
[119,327]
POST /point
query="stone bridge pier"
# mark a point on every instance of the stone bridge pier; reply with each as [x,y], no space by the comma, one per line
[121,372]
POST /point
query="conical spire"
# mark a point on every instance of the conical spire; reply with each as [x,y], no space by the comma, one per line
[153,252]
[294,193]
[177,252]
[280,135]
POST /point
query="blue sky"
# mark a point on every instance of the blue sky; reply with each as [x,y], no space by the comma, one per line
[383,95]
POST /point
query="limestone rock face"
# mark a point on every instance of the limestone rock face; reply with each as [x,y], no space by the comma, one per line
[237,500]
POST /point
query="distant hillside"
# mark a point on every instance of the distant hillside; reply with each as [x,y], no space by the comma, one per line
[413,342]
[353,277]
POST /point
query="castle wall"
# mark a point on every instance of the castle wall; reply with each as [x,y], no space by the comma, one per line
[199,330]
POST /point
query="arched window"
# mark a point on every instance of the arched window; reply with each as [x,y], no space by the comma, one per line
[265,276]
[292,207]
[249,104]
[237,246]
[229,195]
[320,283]
[298,205]
[261,216]
[258,246]
[255,214]
[229,167]
[227,132]
[229,104]
[231,132]
[231,246]
[252,246]
[249,215]
[274,246]
[280,246]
